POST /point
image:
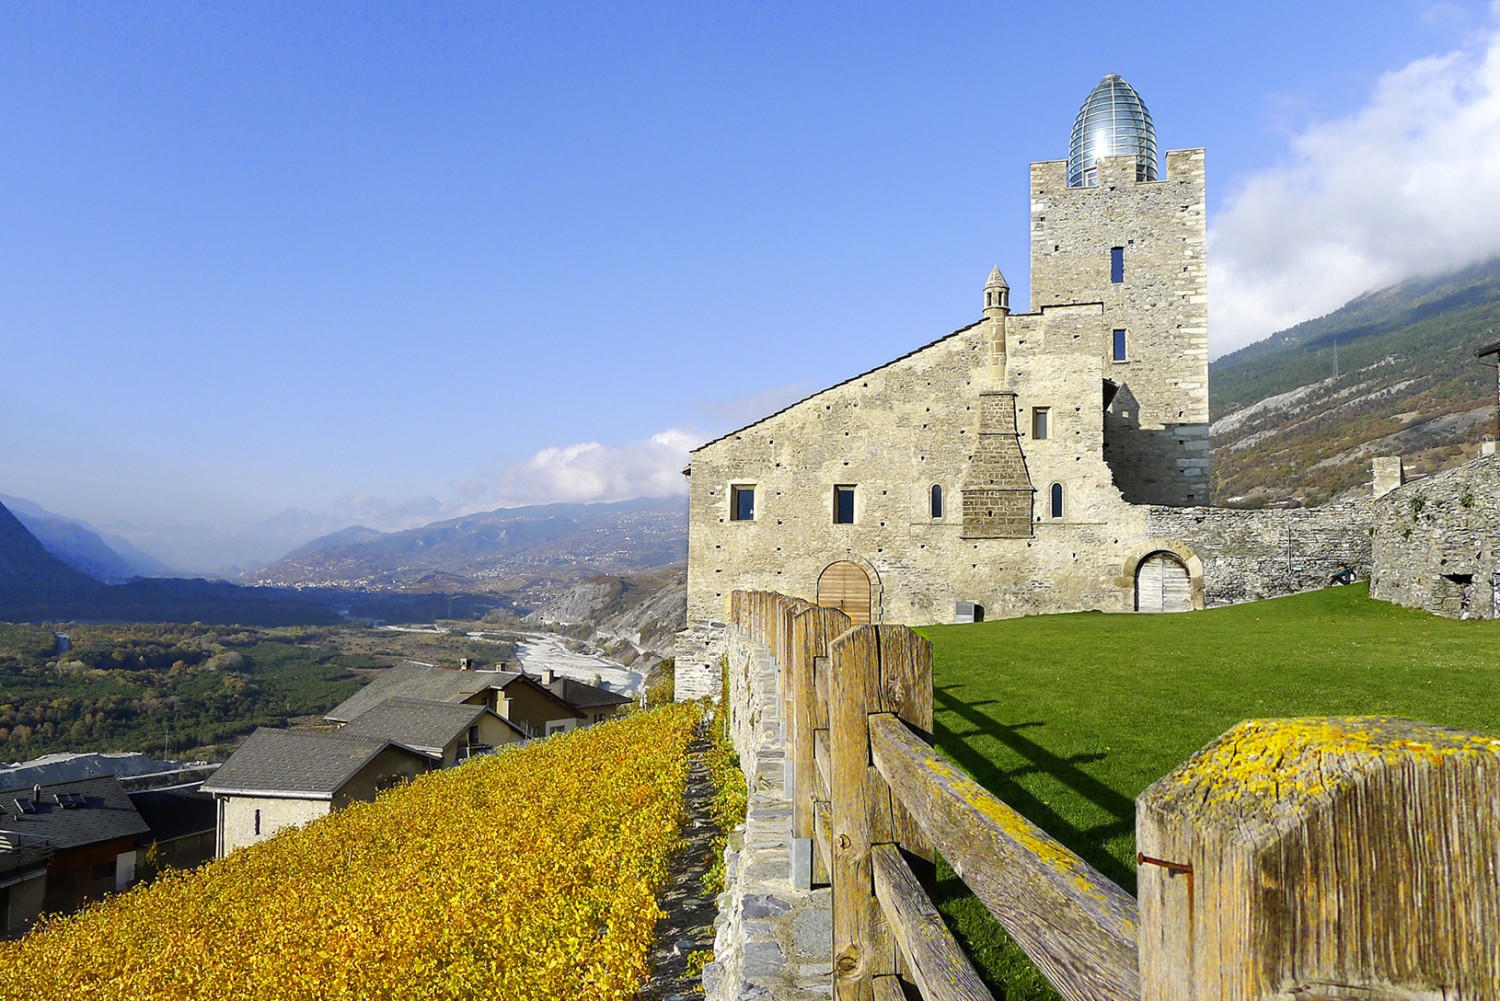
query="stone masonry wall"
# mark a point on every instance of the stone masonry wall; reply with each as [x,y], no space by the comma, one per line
[773,941]
[1437,542]
[1157,424]
[1249,555]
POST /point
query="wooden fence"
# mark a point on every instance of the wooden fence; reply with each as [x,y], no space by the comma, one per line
[1293,859]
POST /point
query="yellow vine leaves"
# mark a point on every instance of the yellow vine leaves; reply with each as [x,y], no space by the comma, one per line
[529,874]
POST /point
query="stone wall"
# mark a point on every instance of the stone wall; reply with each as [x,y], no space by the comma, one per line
[1157,423]
[773,941]
[1437,542]
[1249,555]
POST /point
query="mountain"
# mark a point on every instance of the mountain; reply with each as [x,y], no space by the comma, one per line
[36,586]
[28,572]
[1297,417]
[630,618]
[82,546]
[494,551]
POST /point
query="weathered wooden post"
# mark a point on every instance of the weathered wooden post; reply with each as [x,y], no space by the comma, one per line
[875,669]
[1324,859]
[811,630]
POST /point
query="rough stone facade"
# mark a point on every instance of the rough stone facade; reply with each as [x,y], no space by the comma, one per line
[1437,542]
[774,941]
[1250,555]
[1006,464]
[1156,427]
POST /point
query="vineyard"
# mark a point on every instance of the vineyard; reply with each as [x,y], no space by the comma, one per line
[529,874]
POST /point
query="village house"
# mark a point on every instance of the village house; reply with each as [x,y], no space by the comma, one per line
[286,778]
[63,844]
[535,704]
[447,732]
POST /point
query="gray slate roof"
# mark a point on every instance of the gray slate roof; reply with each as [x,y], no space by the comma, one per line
[306,763]
[417,681]
[423,724]
[107,814]
[585,696]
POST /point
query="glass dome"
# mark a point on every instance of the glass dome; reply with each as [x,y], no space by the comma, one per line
[1112,122]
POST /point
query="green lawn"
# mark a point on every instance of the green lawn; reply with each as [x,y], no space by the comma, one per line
[1069,717]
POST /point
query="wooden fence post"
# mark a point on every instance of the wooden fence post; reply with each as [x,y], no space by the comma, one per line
[810,631]
[875,669]
[1322,859]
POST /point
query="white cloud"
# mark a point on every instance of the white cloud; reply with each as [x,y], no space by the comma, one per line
[585,472]
[1404,186]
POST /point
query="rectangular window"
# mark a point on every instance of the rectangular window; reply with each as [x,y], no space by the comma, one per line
[843,505]
[1116,264]
[742,503]
[1041,420]
[1119,345]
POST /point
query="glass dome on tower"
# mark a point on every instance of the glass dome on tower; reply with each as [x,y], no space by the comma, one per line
[1112,122]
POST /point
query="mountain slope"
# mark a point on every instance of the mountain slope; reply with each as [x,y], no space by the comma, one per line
[497,550]
[1297,417]
[81,545]
[29,572]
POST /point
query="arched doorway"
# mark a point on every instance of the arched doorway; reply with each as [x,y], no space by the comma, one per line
[846,586]
[1162,584]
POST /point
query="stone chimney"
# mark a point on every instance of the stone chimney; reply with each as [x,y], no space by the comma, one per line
[547,676]
[1389,474]
[465,664]
[1487,446]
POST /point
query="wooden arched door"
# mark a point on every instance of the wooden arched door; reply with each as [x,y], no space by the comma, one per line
[846,586]
[1163,584]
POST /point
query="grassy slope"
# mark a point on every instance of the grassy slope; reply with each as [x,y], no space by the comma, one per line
[1069,717]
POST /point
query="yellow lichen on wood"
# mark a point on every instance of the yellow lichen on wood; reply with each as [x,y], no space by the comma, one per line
[1268,761]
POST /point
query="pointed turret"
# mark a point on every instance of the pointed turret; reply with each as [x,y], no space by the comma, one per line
[996,295]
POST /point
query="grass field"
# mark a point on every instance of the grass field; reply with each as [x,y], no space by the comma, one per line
[1069,717]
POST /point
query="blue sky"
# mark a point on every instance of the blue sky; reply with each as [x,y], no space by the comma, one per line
[389,262]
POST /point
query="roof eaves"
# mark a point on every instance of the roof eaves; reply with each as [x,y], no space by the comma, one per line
[826,389]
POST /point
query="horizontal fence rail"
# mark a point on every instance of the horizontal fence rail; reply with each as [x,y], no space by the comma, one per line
[1252,852]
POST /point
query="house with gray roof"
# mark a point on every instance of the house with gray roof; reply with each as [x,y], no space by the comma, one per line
[597,704]
[287,778]
[63,844]
[447,732]
[513,695]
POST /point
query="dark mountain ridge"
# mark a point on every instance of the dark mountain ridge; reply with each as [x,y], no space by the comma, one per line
[1298,416]
[494,550]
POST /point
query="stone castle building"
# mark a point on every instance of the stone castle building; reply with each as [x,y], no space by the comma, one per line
[1012,466]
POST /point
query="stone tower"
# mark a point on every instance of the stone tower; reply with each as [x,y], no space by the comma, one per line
[1121,237]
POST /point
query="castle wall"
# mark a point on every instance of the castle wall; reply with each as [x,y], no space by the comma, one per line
[1437,542]
[1250,555]
[1157,426]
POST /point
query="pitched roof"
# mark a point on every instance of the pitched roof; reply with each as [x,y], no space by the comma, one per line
[581,695]
[176,812]
[417,681]
[104,814]
[307,764]
[418,723]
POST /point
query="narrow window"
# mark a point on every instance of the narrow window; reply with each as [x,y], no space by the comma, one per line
[1116,264]
[937,501]
[742,503]
[1057,500]
[843,505]
[1119,345]
[257,822]
[1040,422]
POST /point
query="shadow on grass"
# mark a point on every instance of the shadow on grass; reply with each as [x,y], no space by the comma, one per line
[1088,843]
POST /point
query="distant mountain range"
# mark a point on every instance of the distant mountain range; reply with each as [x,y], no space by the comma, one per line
[496,551]
[1298,417]
[99,554]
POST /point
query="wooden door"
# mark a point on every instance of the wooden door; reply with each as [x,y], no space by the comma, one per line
[846,586]
[1162,584]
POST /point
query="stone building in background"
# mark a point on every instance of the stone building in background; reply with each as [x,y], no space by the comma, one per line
[1011,467]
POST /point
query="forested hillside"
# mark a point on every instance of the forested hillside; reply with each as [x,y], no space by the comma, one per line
[1298,417]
